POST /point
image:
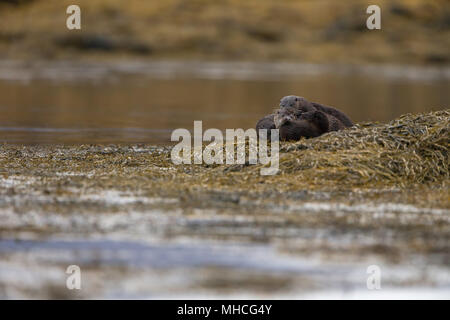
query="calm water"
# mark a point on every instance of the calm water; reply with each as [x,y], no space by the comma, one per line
[143,103]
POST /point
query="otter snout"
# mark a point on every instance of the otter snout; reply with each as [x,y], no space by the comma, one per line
[280,120]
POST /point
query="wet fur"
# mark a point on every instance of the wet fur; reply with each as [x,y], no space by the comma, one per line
[266,123]
[333,123]
[293,124]
[306,106]
[308,123]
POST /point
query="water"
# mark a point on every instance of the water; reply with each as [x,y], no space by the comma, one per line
[144,102]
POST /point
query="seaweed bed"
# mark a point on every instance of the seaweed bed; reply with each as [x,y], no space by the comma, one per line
[383,186]
[411,150]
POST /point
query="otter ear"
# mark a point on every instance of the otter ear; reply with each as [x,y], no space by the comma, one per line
[321,120]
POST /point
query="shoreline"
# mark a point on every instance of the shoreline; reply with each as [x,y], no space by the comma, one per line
[69,70]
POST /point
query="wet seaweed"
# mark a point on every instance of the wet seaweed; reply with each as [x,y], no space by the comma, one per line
[408,152]
[411,149]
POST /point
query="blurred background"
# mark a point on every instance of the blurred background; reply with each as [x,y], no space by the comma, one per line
[139,69]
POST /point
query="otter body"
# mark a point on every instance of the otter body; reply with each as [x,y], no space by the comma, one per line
[300,112]
[306,106]
[334,124]
[266,123]
[293,124]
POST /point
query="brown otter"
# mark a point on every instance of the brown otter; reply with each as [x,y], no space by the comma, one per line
[305,106]
[294,124]
[266,123]
[334,124]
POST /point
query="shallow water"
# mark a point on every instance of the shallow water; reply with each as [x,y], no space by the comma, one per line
[144,102]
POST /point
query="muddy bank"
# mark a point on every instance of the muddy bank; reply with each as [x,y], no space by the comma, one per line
[139,226]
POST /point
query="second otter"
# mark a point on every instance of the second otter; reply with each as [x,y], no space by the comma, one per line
[294,124]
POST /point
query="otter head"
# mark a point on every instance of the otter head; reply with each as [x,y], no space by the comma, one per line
[297,102]
[285,115]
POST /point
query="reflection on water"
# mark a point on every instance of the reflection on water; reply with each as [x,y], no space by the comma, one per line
[136,107]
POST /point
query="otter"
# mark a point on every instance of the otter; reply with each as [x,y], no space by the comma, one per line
[334,124]
[266,123]
[293,124]
[306,106]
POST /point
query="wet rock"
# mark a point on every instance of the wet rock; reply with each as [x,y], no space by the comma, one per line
[342,27]
[88,42]
[16,2]
[437,58]
[93,42]
[264,34]
[400,10]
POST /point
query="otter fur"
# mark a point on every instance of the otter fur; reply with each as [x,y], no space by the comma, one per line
[293,125]
[305,106]
[304,110]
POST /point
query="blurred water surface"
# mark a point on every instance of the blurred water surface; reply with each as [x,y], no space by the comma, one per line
[144,102]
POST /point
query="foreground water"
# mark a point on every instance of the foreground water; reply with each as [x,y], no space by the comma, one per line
[141,102]
[130,245]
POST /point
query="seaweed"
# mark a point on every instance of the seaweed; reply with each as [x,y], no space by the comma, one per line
[408,152]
